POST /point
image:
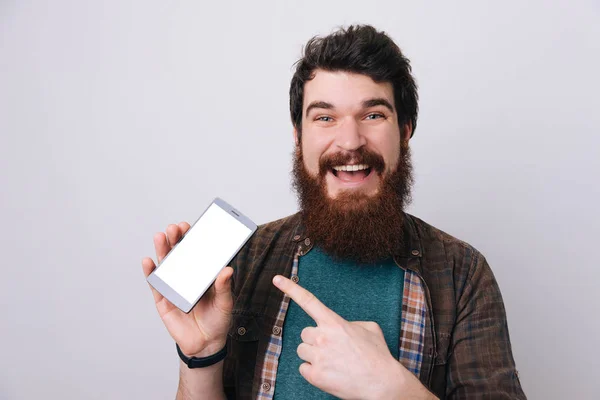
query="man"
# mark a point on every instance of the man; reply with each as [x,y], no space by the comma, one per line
[351,297]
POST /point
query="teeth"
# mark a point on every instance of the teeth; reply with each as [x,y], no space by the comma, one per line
[358,167]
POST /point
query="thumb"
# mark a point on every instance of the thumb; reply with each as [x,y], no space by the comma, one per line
[223,296]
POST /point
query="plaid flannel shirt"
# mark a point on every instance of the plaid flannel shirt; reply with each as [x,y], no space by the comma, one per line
[453,333]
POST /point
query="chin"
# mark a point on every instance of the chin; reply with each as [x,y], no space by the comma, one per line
[339,192]
[352,199]
[352,192]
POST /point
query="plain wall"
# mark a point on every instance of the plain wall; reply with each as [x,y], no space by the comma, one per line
[120,117]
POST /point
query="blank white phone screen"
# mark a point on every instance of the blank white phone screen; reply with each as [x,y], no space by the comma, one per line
[202,253]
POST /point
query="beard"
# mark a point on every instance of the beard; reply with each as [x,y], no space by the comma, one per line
[355,226]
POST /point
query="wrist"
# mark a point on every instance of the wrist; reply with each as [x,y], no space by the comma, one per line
[197,383]
[390,383]
[400,383]
[208,350]
[202,362]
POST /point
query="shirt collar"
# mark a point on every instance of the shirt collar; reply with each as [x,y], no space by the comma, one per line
[411,248]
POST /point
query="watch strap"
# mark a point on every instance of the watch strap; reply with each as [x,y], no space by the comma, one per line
[196,362]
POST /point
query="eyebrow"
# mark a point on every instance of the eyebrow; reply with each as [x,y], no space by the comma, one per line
[377,101]
[319,104]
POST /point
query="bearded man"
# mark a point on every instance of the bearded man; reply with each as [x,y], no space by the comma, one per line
[352,297]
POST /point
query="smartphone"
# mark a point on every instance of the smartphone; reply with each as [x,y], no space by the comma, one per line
[193,264]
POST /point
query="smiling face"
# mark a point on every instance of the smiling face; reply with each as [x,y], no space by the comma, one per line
[352,171]
[350,133]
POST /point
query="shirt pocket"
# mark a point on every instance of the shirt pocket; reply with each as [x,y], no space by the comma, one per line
[443,350]
[243,338]
[440,365]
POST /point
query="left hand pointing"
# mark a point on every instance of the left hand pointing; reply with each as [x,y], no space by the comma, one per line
[349,360]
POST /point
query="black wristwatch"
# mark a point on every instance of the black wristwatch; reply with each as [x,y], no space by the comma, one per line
[195,362]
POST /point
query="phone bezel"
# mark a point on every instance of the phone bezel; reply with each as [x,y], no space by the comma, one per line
[167,291]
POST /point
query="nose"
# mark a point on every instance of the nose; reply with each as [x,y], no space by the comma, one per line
[349,137]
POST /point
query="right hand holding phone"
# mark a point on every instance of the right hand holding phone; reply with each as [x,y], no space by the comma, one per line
[203,331]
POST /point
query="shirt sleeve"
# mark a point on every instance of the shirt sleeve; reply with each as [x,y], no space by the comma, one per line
[481,364]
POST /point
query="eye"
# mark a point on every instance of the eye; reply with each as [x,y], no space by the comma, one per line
[324,118]
[375,116]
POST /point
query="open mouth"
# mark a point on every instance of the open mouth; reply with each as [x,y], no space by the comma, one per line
[351,173]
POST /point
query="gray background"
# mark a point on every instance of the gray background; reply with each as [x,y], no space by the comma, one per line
[120,117]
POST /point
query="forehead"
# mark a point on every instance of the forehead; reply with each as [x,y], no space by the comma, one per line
[345,89]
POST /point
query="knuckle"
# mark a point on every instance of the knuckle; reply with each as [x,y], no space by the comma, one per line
[320,359]
[308,298]
[339,328]
[374,326]
[305,372]
[321,340]
[314,378]
[304,334]
[302,351]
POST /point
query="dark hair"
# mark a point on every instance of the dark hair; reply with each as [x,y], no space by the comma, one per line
[359,49]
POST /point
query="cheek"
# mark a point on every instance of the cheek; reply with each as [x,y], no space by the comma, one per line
[312,151]
[393,157]
[389,150]
[311,159]
[389,147]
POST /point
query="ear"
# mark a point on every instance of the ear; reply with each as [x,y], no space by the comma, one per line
[407,131]
[296,139]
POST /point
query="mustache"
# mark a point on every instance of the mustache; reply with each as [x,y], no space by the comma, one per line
[360,156]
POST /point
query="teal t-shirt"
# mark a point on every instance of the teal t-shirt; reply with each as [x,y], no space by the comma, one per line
[357,293]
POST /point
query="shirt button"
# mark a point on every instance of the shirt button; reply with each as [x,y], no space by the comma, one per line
[241,331]
[415,252]
[276,330]
[297,237]
[266,387]
[307,241]
[295,278]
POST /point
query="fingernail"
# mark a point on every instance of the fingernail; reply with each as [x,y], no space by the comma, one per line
[277,279]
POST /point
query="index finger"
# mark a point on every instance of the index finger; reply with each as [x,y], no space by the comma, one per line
[306,300]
